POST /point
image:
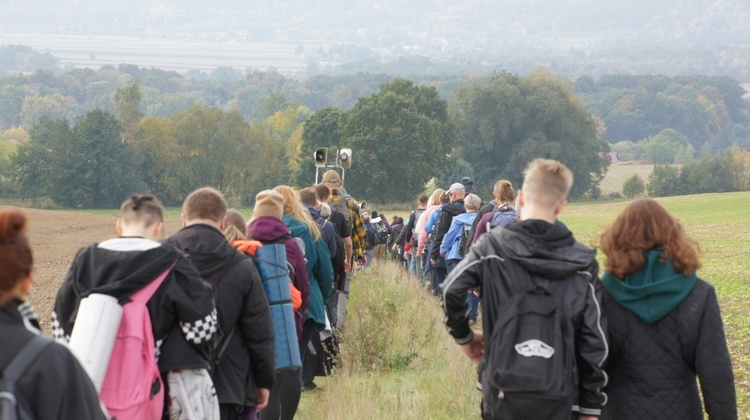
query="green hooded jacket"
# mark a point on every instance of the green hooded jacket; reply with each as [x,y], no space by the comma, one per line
[319,269]
[652,292]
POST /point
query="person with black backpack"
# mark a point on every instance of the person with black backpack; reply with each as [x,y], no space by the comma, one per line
[371,238]
[39,378]
[544,342]
[410,235]
[245,373]
[382,232]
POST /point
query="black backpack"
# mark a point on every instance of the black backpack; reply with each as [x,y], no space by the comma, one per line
[12,404]
[381,232]
[530,366]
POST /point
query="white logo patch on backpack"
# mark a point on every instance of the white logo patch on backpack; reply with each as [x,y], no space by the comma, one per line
[538,348]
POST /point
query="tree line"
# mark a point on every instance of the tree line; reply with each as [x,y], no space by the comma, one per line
[403,135]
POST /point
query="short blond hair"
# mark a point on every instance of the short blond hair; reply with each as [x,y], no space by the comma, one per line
[546,182]
[205,203]
[472,201]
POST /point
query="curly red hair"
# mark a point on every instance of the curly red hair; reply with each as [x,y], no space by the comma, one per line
[646,225]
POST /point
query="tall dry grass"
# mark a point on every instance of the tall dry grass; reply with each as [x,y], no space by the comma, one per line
[397,361]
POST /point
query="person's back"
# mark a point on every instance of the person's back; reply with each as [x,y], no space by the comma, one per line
[54,385]
[182,315]
[665,324]
[245,373]
[533,260]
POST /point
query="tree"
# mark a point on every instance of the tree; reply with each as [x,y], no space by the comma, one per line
[633,187]
[322,129]
[127,103]
[506,121]
[664,181]
[30,168]
[663,147]
[400,138]
[156,155]
[93,168]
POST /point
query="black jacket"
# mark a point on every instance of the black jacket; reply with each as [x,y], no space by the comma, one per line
[652,367]
[181,311]
[55,386]
[502,262]
[444,223]
[248,362]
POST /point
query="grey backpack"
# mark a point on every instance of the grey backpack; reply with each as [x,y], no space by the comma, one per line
[12,404]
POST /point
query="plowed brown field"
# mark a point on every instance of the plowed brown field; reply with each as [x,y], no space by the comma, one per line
[56,237]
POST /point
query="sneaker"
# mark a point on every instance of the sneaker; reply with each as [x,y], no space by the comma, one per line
[309,386]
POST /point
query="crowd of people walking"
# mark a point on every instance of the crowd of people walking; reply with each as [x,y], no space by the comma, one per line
[213,326]
[202,333]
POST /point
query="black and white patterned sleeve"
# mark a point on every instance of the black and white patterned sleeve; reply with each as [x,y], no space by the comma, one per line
[57,331]
[202,330]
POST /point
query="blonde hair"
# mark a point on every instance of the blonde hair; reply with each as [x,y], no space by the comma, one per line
[234,227]
[504,192]
[472,201]
[435,197]
[293,207]
[546,182]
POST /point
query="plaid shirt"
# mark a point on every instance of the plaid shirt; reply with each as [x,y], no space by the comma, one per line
[358,231]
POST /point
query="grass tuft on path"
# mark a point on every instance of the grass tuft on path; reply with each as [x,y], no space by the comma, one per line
[397,360]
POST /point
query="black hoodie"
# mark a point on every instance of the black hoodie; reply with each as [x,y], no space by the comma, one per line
[502,262]
[248,362]
[181,310]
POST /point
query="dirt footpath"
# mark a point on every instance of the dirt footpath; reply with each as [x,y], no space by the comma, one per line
[55,238]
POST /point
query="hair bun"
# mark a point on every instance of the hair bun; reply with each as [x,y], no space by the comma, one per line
[12,225]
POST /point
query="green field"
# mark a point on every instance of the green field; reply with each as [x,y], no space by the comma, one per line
[438,380]
[617,174]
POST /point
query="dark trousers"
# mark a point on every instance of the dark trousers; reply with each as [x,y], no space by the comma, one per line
[285,395]
[309,358]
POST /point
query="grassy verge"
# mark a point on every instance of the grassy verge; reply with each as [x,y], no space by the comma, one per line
[397,361]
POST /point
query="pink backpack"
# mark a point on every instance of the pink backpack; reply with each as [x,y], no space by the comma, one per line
[132,387]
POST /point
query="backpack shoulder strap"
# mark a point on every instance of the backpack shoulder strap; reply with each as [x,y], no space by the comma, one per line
[144,295]
[214,277]
[25,358]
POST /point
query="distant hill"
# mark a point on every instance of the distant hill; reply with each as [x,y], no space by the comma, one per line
[574,37]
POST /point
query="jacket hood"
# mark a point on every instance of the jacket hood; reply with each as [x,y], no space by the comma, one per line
[465,218]
[455,208]
[267,229]
[205,246]
[652,292]
[315,213]
[120,273]
[545,249]
[296,228]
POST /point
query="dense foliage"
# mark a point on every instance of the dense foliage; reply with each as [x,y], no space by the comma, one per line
[653,117]
[506,121]
[724,173]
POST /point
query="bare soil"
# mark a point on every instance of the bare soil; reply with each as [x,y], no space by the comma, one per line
[56,237]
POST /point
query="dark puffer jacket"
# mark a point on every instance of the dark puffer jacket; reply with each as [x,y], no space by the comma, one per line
[652,367]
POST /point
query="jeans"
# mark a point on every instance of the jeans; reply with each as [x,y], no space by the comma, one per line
[369,253]
[473,306]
